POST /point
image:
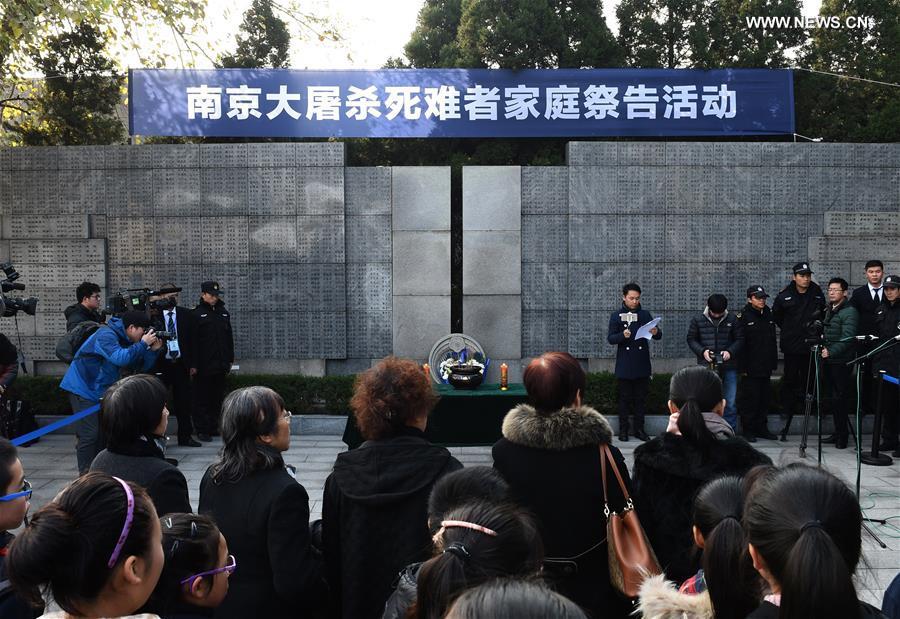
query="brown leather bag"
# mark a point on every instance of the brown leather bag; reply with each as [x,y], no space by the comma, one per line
[631,558]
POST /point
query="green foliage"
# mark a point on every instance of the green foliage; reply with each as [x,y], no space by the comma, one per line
[331,394]
[263,41]
[76,102]
[27,25]
[844,110]
[433,43]
[535,34]
[705,35]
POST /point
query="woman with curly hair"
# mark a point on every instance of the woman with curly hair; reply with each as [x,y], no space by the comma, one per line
[374,511]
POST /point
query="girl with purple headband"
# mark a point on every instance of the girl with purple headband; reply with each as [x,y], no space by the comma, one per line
[96,548]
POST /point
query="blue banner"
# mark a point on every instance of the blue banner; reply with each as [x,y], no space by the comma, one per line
[442,103]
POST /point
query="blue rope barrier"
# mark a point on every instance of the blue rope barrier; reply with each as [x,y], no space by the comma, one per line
[56,425]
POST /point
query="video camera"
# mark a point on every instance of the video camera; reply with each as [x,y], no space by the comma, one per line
[814,330]
[141,300]
[10,306]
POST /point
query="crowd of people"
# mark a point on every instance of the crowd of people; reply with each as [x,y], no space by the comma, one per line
[191,350]
[406,531]
[821,333]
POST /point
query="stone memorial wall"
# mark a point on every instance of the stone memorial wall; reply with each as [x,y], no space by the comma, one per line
[685,220]
[328,267]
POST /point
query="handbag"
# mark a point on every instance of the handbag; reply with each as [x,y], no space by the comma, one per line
[631,558]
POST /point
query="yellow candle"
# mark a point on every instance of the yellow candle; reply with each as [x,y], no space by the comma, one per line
[504,377]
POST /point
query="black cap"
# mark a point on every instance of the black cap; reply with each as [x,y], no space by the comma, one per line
[211,287]
[892,281]
[802,268]
[757,291]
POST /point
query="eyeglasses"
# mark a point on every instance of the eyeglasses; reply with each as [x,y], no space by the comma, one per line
[25,492]
[287,414]
[228,568]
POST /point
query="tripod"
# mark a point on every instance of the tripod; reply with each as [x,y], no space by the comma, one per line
[812,374]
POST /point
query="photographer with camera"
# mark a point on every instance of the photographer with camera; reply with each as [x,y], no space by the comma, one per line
[716,338]
[88,307]
[178,365]
[215,354]
[125,342]
[796,309]
[840,323]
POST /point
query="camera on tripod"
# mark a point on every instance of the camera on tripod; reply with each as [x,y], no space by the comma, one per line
[10,306]
[814,330]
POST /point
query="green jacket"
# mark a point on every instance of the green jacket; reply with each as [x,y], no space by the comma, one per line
[840,324]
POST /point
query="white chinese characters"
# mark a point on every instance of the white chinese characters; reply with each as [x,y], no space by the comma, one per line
[478,102]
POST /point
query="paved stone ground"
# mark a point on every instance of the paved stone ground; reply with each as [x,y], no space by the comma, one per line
[50,465]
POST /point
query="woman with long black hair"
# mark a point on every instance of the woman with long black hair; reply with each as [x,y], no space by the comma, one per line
[668,471]
[262,511]
[727,586]
[804,528]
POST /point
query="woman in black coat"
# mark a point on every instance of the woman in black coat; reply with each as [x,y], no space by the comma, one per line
[670,469]
[262,511]
[374,510]
[133,417]
[550,456]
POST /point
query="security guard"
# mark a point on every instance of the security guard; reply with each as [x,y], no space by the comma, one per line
[796,307]
[757,361]
[887,321]
[215,354]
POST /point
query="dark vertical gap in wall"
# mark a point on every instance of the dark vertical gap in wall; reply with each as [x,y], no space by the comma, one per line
[456,249]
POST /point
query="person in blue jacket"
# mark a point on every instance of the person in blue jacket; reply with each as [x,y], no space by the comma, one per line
[126,342]
[632,359]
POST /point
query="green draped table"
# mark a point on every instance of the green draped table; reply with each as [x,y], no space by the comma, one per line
[462,416]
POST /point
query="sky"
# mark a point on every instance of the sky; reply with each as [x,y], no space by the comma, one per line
[373,30]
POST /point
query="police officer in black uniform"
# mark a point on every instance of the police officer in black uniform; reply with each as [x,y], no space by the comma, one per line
[215,354]
[887,321]
[798,305]
[757,361]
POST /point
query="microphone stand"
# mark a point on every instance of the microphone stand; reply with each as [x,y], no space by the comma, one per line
[856,362]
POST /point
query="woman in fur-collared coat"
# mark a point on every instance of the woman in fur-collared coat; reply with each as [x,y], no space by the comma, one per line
[550,456]
[660,599]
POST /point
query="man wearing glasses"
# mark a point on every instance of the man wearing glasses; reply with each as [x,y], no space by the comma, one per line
[87,308]
[15,493]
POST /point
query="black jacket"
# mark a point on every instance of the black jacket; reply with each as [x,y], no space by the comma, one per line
[793,311]
[215,342]
[374,518]
[142,462]
[759,358]
[11,605]
[405,593]
[552,464]
[887,326]
[632,356]
[767,610]
[186,325]
[867,307]
[9,361]
[265,518]
[705,333]
[668,472]
[77,313]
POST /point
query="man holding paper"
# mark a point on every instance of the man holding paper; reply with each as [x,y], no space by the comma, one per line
[630,330]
